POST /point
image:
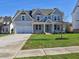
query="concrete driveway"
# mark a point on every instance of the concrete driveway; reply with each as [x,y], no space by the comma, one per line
[11,44]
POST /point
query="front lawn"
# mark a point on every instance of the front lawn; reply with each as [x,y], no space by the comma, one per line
[65,56]
[49,41]
[3,35]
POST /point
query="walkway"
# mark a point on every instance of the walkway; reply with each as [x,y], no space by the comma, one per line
[11,44]
[48,51]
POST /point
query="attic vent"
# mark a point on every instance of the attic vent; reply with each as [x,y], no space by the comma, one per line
[38,14]
[23,13]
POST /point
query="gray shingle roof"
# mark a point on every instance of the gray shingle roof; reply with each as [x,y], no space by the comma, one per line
[44,11]
[6,19]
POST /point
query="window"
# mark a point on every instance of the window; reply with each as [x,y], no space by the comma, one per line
[38,27]
[49,17]
[47,27]
[38,17]
[56,27]
[46,18]
[6,29]
[23,17]
[55,18]
[3,29]
[58,18]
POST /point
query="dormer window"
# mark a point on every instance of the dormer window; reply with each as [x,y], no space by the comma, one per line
[38,17]
[23,17]
[55,18]
[46,17]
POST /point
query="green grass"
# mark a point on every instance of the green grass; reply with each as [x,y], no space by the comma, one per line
[3,35]
[65,56]
[49,41]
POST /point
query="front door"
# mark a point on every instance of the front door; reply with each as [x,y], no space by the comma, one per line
[48,28]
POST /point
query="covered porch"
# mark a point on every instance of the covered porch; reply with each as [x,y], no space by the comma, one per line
[46,28]
[42,28]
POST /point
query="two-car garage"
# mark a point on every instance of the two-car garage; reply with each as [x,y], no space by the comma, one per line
[23,29]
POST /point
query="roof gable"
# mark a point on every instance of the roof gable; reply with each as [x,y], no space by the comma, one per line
[22,12]
[48,21]
[57,11]
[42,11]
[46,11]
[37,12]
[77,6]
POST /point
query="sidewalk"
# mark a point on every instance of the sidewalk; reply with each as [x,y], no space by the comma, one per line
[48,51]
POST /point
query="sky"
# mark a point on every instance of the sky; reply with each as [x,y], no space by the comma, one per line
[9,7]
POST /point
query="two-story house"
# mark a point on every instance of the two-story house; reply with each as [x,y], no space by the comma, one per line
[39,21]
[5,24]
[75,17]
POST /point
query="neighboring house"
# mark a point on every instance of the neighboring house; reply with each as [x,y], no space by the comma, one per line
[1,21]
[38,21]
[69,28]
[75,18]
[6,24]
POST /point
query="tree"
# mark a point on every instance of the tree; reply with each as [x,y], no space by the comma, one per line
[61,30]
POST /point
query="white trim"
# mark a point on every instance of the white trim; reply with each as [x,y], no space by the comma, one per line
[44,28]
[48,20]
[32,28]
[16,15]
[75,7]
[19,14]
[56,9]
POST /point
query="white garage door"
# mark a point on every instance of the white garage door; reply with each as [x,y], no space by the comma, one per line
[24,29]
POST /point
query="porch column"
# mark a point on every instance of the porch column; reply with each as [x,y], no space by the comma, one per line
[32,28]
[52,28]
[15,30]
[44,28]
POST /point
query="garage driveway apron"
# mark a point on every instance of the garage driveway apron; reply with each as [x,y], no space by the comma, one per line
[11,44]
